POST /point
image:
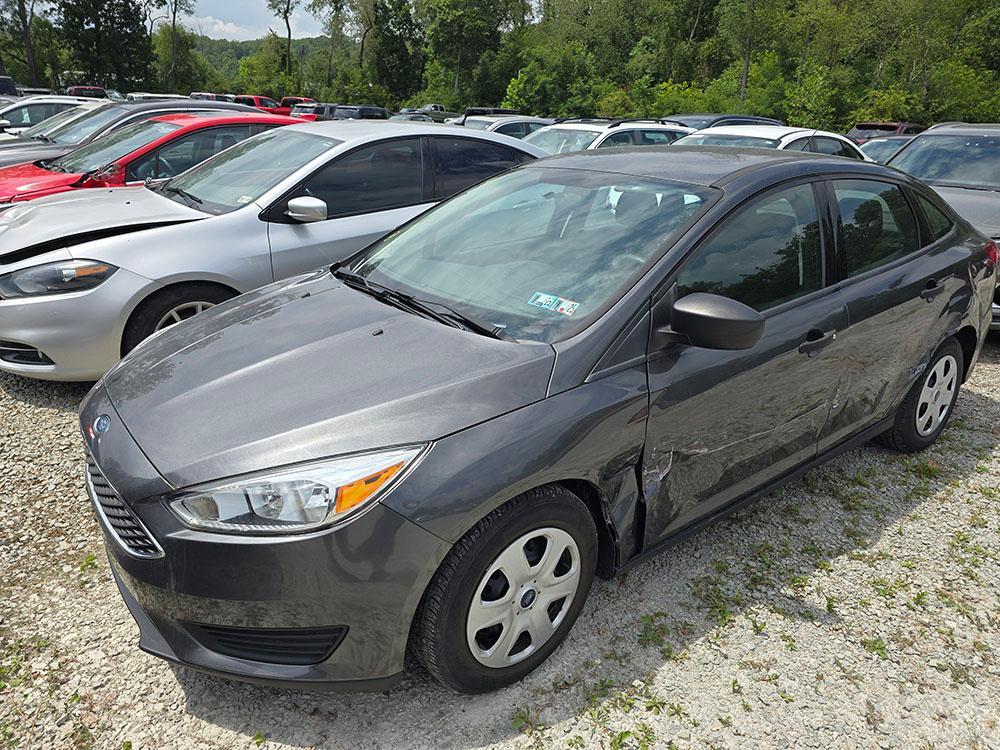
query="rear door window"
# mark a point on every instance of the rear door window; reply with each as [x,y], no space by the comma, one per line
[513,129]
[876,225]
[617,140]
[385,175]
[768,253]
[833,147]
[656,137]
[462,162]
[938,221]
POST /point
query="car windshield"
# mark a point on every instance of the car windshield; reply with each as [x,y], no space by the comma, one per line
[538,252]
[957,160]
[83,127]
[718,139]
[871,130]
[562,140]
[881,149]
[53,123]
[244,172]
[113,146]
[303,109]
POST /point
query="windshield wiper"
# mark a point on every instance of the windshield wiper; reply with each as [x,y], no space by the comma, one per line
[190,197]
[450,317]
[41,137]
[52,166]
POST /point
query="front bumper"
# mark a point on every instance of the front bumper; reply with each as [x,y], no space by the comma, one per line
[362,580]
[74,336]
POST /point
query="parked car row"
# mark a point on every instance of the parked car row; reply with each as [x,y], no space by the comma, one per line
[372,388]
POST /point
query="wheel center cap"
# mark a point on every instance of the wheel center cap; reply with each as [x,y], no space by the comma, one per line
[528,598]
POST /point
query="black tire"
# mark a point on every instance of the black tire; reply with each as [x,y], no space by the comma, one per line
[440,629]
[903,436]
[150,311]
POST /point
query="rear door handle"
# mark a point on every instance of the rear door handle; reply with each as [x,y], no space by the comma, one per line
[932,290]
[816,340]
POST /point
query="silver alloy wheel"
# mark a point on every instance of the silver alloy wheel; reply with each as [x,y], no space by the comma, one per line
[523,597]
[181,313]
[937,395]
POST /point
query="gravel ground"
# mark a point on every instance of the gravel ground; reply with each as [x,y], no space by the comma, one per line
[857,607]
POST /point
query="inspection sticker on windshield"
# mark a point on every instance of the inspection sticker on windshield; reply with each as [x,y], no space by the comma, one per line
[554,303]
[244,199]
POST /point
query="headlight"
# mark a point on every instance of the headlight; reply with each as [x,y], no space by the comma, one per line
[302,498]
[55,278]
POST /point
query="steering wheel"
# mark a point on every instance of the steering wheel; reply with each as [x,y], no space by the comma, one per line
[166,169]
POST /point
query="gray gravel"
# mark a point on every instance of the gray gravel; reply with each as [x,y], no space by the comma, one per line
[857,607]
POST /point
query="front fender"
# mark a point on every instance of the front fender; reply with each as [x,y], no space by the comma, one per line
[593,433]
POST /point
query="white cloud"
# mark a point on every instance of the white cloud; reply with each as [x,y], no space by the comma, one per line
[218,29]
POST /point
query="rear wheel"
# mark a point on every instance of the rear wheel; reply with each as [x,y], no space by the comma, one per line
[169,307]
[928,406]
[508,592]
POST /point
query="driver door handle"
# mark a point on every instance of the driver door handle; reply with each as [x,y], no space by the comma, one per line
[815,341]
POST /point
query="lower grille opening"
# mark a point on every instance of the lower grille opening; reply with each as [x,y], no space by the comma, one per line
[297,646]
[22,354]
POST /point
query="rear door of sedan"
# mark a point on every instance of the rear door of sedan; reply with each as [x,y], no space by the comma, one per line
[902,268]
[724,423]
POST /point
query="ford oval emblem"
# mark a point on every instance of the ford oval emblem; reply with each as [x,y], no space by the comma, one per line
[102,424]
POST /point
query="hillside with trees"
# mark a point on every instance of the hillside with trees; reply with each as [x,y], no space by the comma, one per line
[818,62]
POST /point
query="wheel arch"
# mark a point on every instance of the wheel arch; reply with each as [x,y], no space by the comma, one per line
[160,291]
[968,340]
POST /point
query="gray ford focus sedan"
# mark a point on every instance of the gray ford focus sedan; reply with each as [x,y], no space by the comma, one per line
[436,444]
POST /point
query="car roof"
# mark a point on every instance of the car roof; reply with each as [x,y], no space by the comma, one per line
[505,118]
[773,132]
[345,130]
[605,125]
[142,106]
[963,128]
[707,166]
[186,119]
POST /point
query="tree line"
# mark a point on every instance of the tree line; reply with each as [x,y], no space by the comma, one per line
[822,63]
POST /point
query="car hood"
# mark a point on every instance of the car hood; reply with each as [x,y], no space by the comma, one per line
[61,221]
[17,152]
[306,369]
[981,208]
[18,182]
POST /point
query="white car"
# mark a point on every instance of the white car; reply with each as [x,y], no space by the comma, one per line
[516,126]
[779,137]
[85,277]
[586,134]
[42,130]
[32,110]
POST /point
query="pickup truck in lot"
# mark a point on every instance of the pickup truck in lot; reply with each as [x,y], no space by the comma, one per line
[437,112]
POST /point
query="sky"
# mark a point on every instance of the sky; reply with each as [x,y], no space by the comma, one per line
[245,19]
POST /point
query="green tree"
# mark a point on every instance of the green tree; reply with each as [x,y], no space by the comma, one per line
[396,49]
[747,26]
[107,40]
[459,32]
[283,9]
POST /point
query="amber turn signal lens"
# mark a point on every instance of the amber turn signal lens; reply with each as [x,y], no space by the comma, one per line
[355,493]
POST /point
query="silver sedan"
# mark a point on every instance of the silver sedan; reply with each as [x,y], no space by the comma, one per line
[85,278]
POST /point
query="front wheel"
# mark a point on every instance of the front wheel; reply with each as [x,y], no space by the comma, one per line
[169,307]
[508,592]
[928,406]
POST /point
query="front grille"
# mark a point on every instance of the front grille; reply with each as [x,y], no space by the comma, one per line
[22,354]
[271,645]
[127,530]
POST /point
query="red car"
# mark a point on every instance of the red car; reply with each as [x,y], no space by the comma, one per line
[865,131]
[161,147]
[267,104]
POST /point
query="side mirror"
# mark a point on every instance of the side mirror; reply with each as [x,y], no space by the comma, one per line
[710,321]
[4,124]
[306,209]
